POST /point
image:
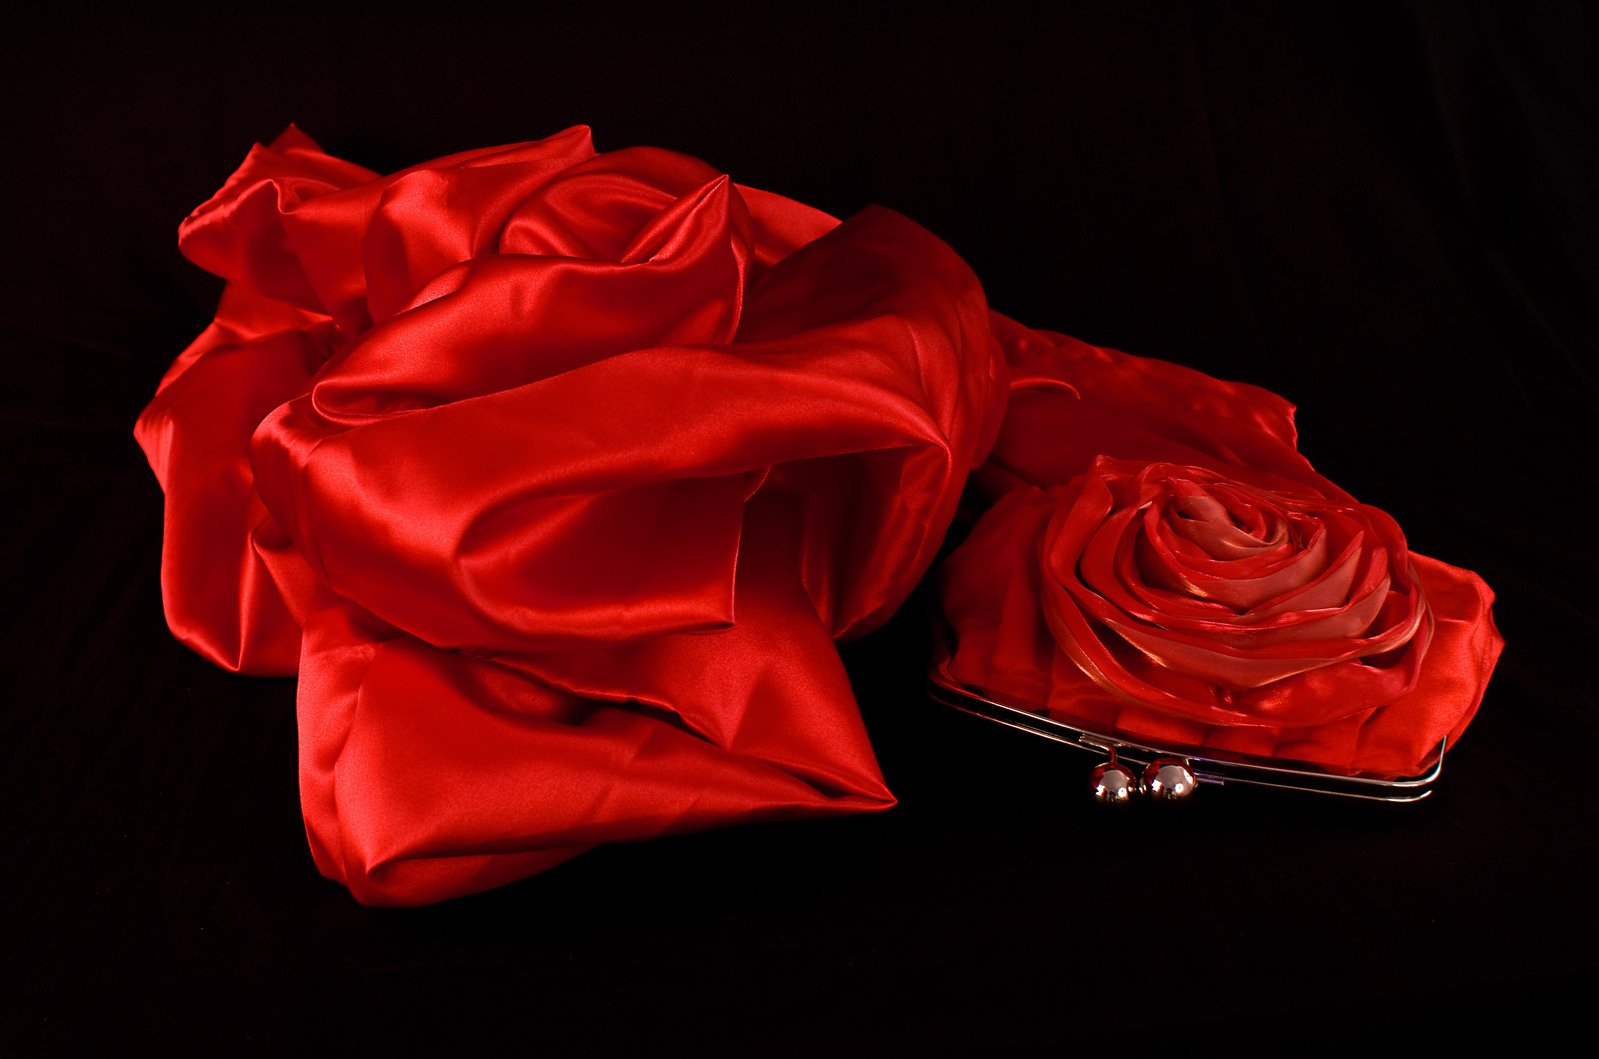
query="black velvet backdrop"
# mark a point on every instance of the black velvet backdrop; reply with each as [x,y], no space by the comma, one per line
[1387,215]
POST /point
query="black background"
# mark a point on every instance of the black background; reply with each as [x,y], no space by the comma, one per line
[1386,214]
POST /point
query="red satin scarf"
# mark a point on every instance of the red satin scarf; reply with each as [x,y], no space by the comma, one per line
[555,475]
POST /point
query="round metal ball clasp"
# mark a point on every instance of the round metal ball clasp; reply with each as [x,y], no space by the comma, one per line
[1114,783]
[1169,779]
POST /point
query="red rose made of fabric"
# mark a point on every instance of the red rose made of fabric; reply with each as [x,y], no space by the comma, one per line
[555,475]
[1161,561]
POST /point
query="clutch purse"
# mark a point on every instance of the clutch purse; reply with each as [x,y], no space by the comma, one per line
[1157,576]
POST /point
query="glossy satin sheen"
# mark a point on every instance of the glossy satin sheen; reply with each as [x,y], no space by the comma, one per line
[555,475]
[1160,560]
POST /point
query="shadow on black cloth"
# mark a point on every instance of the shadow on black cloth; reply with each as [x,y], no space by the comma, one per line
[1388,217]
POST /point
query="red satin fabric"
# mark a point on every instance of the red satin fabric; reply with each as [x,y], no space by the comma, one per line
[1160,560]
[555,475]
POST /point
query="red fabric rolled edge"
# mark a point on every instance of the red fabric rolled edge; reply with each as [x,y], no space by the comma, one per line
[555,475]
[1159,560]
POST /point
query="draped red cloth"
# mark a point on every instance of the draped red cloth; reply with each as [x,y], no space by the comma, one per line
[555,475]
[1160,561]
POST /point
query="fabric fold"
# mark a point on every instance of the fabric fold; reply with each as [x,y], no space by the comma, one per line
[556,474]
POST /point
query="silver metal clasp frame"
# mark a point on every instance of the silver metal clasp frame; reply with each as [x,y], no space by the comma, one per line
[1132,770]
